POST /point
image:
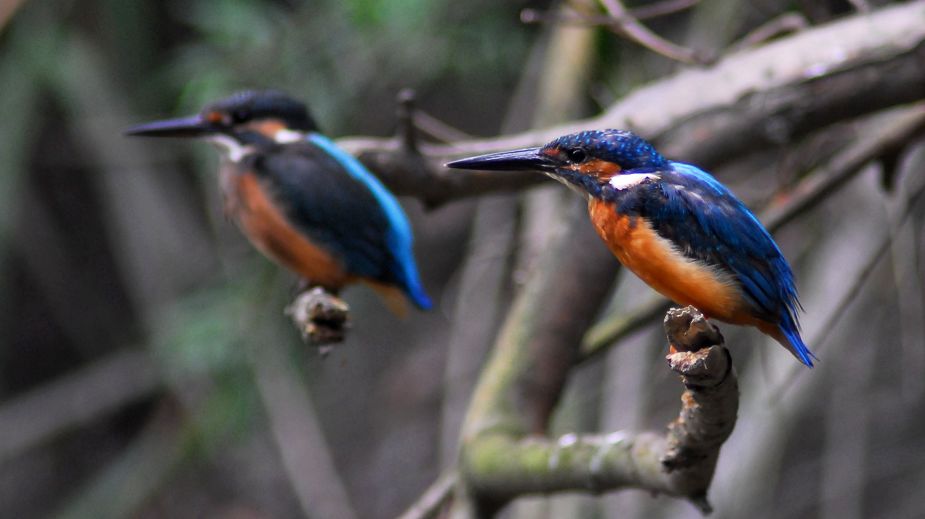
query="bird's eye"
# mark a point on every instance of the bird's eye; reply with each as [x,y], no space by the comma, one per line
[576,155]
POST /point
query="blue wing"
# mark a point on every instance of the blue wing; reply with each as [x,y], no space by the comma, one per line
[356,219]
[708,223]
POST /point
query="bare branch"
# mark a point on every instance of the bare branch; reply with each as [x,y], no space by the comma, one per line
[788,22]
[7,10]
[572,17]
[664,8]
[304,453]
[611,329]
[862,6]
[498,466]
[438,129]
[882,137]
[407,130]
[430,502]
[626,25]
[321,318]
[749,100]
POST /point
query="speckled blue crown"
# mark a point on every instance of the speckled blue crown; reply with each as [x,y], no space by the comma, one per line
[258,104]
[621,147]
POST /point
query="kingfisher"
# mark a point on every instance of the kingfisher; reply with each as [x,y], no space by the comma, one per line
[300,199]
[673,225]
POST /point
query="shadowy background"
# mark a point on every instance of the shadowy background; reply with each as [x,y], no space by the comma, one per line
[146,369]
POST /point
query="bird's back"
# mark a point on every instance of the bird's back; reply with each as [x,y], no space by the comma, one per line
[721,258]
[336,213]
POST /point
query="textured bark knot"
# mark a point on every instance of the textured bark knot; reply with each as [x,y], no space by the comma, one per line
[322,318]
[688,330]
[710,401]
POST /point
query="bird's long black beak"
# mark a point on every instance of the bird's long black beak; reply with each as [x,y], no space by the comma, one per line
[194,126]
[514,160]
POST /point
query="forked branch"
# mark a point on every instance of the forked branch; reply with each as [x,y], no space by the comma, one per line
[498,466]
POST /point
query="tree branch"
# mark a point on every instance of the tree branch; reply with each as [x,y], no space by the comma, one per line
[882,137]
[321,318]
[498,465]
[572,17]
[428,505]
[624,24]
[752,99]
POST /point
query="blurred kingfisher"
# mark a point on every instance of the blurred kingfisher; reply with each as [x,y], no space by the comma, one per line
[674,225]
[302,201]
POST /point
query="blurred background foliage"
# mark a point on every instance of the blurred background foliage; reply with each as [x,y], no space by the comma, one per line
[111,246]
[146,368]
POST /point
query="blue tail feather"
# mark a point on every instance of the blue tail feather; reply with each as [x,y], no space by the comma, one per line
[399,237]
[797,345]
[417,295]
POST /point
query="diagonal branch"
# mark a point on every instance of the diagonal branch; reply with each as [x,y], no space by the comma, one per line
[572,17]
[882,137]
[749,100]
[437,495]
[626,25]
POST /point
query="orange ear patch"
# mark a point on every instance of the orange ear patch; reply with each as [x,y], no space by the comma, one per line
[267,127]
[216,118]
[602,169]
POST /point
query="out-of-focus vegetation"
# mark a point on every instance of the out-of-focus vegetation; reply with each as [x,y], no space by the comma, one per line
[146,369]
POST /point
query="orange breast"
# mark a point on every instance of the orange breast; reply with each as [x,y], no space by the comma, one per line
[664,268]
[269,231]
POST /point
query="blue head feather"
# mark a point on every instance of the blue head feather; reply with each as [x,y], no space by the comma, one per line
[622,147]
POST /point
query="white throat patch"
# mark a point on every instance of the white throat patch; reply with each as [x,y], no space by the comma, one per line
[230,148]
[621,182]
[284,136]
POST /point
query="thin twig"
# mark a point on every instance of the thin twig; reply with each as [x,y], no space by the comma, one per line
[659,9]
[8,8]
[629,27]
[609,330]
[407,132]
[878,138]
[572,17]
[438,129]
[783,24]
[299,438]
[436,495]
[860,5]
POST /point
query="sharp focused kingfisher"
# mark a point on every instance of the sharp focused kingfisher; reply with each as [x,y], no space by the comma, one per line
[302,201]
[674,225]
